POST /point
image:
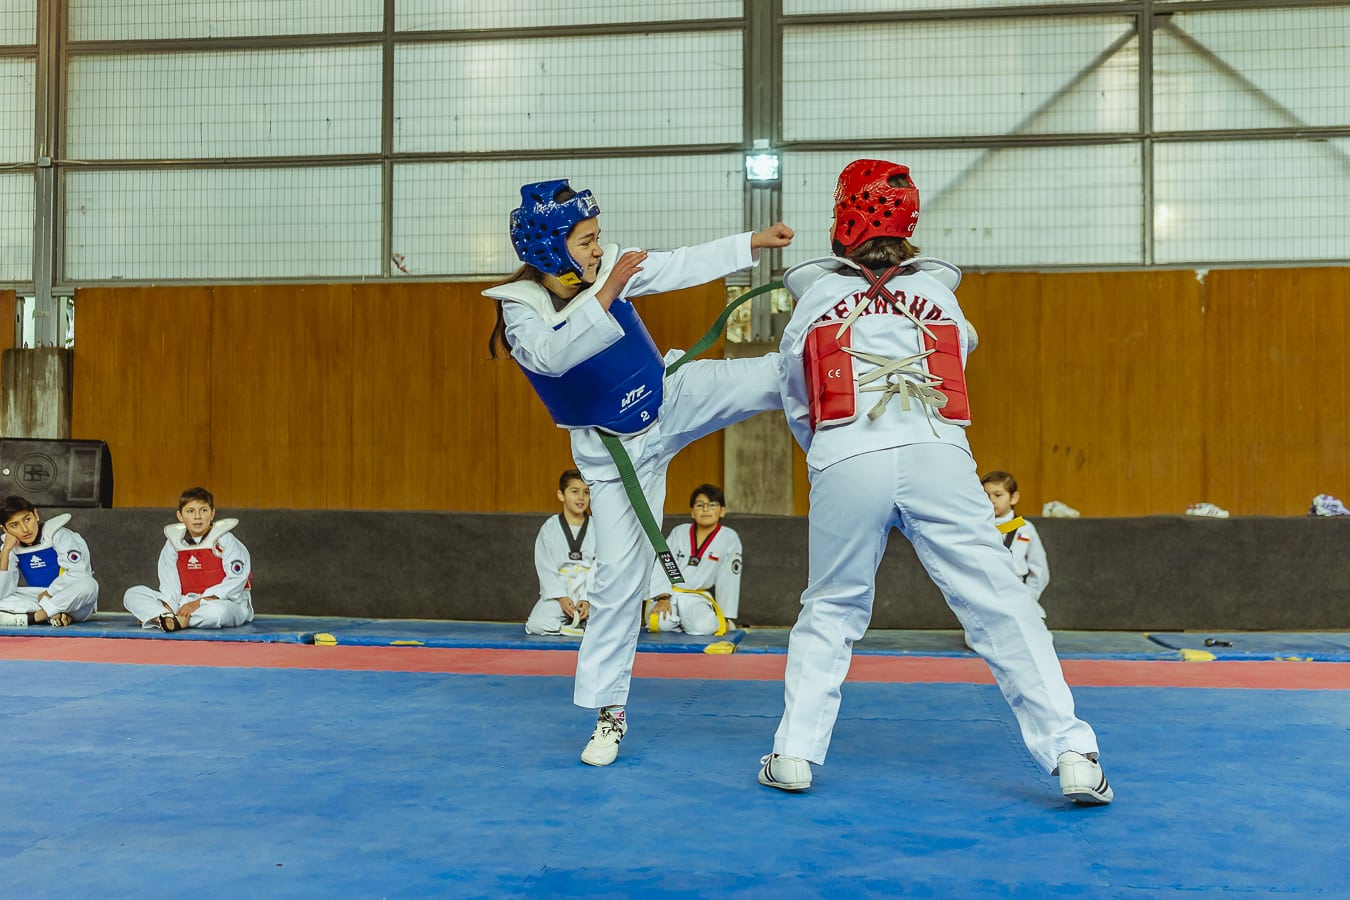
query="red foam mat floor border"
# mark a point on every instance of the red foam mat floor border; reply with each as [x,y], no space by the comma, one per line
[1262,675]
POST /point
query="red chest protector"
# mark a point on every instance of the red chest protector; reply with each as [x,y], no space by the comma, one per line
[831,384]
[199,568]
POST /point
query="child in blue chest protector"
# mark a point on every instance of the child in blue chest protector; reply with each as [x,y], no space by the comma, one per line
[566,319]
[52,562]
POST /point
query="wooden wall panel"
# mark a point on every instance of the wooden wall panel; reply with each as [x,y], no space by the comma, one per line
[1004,376]
[281,395]
[1118,393]
[142,382]
[1280,428]
[1122,405]
[422,394]
[333,396]
[8,300]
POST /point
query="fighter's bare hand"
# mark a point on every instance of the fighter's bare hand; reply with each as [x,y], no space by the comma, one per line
[661,606]
[628,265]
[776,235]
[568,607]
[584,610]
[10,541]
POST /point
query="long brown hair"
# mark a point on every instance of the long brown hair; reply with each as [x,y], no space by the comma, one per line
[498,346]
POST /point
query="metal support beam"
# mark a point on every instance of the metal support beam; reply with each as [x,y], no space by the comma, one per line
[47,118]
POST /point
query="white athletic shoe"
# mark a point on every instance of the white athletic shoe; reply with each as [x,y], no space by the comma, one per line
[787,773]
[603,747]
[13,620]
[1082,780]
[1207,509]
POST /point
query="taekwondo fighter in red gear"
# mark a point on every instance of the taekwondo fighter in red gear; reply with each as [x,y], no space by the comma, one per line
[873,378]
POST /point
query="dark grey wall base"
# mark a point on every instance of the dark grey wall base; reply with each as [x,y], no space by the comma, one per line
[1160,573]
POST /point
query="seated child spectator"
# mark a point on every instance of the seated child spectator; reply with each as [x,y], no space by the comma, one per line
[53,563]
[1019,535]
[564,557]
[205,572]
[709,556]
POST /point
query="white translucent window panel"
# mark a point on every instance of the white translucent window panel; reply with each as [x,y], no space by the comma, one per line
[123,20]
[18,23]
[16,110]
[16,227]
[1030,75]
[222,224]
[554,94]
[808,7]
[437,15]
[1012,208]
[1251,201]
[305,102]
[1274,68]
[452,218]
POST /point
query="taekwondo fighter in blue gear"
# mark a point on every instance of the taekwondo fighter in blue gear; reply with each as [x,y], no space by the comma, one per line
[565,317]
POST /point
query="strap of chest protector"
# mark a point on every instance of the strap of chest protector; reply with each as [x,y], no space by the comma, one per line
[614,444]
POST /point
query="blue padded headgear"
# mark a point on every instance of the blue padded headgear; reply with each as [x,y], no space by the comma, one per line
[539,227]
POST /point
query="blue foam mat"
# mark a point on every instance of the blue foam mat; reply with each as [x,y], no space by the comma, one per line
[263,629]
[1321,646]
[491,635]
[306,783]
[365,633]
[1304,645]
[1068,644]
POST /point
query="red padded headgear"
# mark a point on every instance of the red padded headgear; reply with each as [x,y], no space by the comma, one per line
[866,205]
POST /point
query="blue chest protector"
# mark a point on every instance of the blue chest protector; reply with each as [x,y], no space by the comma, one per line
[619,390]
[40,568]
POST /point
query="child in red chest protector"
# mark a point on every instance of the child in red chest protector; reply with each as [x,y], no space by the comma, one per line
[204,572]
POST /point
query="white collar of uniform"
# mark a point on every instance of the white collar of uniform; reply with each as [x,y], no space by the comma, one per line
[1008,517]
[49,529]
[537,297]
[178,531]
[801,276]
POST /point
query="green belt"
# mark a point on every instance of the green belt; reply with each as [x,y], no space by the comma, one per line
[614,444]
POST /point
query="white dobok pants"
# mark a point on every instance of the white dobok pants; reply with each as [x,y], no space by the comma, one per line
[932,493]
[702,397]
[147,605]
[77,596]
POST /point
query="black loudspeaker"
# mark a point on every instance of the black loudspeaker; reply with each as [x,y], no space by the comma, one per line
[57,473]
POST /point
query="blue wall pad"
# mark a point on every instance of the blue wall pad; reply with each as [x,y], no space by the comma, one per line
[263,629]
[880,642]
[1319,646]
[487,635]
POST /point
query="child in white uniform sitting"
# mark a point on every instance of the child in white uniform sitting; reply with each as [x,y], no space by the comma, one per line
[53,563]
[564,557]
[205,572]
[709,556]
